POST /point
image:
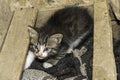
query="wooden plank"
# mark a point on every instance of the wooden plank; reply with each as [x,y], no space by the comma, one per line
[103,59]
[116,7]
[48,7]
[43,16]
[45,5]
[5,19]
[13,53]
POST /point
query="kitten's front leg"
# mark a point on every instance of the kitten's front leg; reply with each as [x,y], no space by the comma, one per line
[50,63]
[47,65]
[29,59]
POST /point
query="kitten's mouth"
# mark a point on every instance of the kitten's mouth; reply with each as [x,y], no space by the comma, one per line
[40,57]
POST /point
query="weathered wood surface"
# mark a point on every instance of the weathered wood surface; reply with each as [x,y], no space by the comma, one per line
[116,7]
[5,19]
[45,13]
[43,16]
[103,60]
[13,53]
[45,5]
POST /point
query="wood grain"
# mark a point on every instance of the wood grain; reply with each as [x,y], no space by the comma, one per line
[103,61]
[13,53]
[47,5]
[116,7]
[5,19]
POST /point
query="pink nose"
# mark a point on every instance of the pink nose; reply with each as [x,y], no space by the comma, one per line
[39,54]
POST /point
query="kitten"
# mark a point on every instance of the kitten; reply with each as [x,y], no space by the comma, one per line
[63,31]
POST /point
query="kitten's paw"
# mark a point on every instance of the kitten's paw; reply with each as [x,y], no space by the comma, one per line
[47,65]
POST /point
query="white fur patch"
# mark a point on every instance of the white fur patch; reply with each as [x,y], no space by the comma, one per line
[76,42]
[42,52]
[69,50]
[29,59]
[47,65]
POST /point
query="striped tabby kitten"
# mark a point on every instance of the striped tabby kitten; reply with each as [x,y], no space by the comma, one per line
[63,31]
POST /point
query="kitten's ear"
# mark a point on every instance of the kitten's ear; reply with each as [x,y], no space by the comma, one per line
[33,35]
[54,40]
[57,38]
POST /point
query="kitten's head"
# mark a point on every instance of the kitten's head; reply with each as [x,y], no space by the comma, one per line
[43,46]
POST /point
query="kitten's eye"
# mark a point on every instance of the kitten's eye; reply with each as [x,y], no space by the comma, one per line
[36,47]
[46,49]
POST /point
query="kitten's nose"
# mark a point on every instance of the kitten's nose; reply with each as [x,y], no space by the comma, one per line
[39,54]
